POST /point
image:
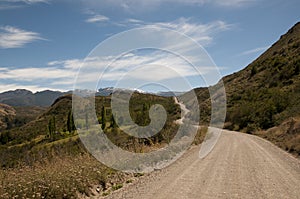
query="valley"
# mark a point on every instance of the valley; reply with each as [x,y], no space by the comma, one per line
[257,155]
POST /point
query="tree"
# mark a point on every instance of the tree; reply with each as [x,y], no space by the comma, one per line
[7,122]
[70,122]
[51,127]
[5,137]
[103,122]
[86,121]
[253,71]
[113,122]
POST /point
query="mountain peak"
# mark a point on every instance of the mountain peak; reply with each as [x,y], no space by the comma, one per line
[21,92]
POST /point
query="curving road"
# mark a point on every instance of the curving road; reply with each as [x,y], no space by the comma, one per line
[240,166]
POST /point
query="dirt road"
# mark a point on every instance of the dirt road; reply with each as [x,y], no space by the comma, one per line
[240,166]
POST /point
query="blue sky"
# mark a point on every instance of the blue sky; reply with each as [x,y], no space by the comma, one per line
[44,42]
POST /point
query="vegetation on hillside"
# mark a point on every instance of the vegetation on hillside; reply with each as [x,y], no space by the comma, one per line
[264,94]
[41,147]
[267,92]
[57,125]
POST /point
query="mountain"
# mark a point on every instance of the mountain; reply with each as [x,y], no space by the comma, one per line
[169,94]
[266,92]
[22,97]
[105,91]
[109,90]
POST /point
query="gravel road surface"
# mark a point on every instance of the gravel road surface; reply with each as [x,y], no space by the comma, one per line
[240,166]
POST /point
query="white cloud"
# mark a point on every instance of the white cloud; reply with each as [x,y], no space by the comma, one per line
[134,66]
[60,74]
[35,74]
[226,3]
[35,1]
[26,1]
[36,79]
[232,3]
[13,4]
[200,32]
[256,50]
[97,18]
[11,37]
[134,21]
[156,66]
[142,5]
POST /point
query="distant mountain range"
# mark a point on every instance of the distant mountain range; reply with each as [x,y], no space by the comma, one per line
[22,97]
[26,98]
[109,90]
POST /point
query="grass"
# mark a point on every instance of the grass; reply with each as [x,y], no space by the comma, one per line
[199,138]
[63,178]
[286,135]
[117,186]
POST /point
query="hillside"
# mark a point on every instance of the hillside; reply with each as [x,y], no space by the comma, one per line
[265,94]
[56,124]
[50,143]
[7,114]
[12,117]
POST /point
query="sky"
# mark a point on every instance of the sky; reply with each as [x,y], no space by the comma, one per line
[67,44]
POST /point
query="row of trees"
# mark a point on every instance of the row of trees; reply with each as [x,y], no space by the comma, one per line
[52,127]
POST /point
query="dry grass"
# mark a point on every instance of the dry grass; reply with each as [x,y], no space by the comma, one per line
[286,135]
[60,178]
[199,138]
[68,176]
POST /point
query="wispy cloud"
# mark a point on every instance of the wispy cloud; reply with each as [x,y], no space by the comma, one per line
[26,1]
[34,74]
[11,37]
[201,32]
[157,66]
[255,50]
[134,67]
[12,4]
[230,3]
[36,79]
[97,18]
[138,5]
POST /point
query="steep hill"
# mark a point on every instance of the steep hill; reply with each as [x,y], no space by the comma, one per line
[266,92]
[264,97]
